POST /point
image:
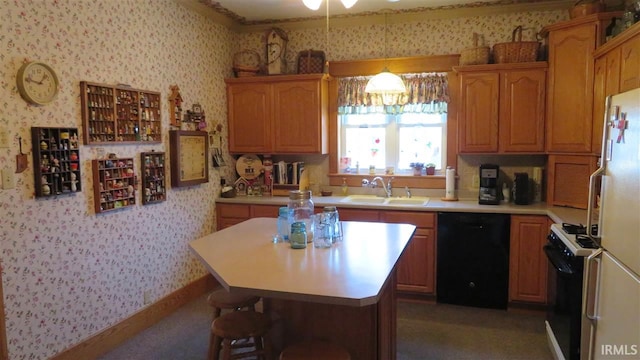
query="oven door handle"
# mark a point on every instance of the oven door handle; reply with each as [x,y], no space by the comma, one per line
[590,296]
[555,258]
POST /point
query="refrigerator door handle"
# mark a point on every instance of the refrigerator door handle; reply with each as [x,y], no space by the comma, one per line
[604,153]
[592,200]
[590,297]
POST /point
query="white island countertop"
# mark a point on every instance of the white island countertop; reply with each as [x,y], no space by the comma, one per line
[352,272]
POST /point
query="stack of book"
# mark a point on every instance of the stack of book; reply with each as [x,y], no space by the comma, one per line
[287,177]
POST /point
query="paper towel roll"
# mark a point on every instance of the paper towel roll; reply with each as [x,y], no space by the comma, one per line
[450,180]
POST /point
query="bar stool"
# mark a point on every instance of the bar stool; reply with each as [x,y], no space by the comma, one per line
[237,325]
[314,350]
[222,299]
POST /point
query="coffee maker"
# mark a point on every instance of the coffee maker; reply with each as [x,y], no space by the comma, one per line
[489,185]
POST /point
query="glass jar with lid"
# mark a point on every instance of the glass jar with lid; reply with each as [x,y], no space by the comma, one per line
[301,210]
[298,236]
[335,231]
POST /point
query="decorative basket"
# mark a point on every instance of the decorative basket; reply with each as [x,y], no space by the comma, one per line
[246,63]
[516,51]
[477,54]
[311,62]
[583,8]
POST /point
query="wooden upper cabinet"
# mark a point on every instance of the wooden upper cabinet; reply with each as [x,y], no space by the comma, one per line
[630,63]
[300,120]
[571,45]
[606,82]
[502,108]
[617,69]
[249,108]
[522,104]
[479,104]
[278,114]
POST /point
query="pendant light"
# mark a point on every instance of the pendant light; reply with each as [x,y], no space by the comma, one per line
[315,4]
[385,83]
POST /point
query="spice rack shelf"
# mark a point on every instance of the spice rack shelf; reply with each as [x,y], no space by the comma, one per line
[114,184]
[120,114]
[153,177]
[56,161]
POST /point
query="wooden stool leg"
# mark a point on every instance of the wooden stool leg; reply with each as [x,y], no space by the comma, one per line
[226,349]
[214,347]
[267,347]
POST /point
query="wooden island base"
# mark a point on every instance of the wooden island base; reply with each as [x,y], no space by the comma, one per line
[367,332]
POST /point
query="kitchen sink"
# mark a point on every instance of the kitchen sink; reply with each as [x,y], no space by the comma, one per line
[364,199]
[408,201]
[371,199]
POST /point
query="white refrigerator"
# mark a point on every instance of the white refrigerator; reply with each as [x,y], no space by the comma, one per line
[611,300]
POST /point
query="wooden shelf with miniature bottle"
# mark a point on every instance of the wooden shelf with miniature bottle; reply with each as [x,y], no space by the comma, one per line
[114,184]
[56,161]
[119,114]
[153,177]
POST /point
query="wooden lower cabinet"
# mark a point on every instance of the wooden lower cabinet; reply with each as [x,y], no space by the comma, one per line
[527,261]
[264,210]
[417,266]
[230,214]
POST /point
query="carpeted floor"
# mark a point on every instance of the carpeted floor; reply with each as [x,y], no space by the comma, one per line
[425,331]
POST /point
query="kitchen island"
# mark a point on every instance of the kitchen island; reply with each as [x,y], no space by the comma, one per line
[344,294]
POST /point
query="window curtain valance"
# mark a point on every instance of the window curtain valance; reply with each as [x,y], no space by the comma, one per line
[426,93]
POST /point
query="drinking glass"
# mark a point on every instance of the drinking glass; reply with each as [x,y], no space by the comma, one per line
[323,230]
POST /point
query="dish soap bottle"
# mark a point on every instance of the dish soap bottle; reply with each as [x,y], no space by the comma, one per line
[345,187]
[506,194]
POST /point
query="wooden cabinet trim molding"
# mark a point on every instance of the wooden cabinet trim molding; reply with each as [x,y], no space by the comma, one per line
[619,39]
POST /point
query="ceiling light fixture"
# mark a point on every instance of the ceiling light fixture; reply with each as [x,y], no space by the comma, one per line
[315,4]
[385,83]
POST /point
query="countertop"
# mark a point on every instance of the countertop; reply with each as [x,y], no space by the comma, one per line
[557,213]
[352,272]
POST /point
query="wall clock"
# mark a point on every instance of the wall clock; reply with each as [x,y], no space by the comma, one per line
[276,51]
[189,157]
[37,83]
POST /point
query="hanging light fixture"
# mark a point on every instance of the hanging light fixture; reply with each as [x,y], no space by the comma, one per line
[326,44]
[385,83]
[315,4]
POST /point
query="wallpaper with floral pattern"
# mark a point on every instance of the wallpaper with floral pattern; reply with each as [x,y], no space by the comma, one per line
[68,273]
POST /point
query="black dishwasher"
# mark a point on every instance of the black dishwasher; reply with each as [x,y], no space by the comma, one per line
[473,259]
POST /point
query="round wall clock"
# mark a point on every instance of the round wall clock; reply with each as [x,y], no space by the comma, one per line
[37,83]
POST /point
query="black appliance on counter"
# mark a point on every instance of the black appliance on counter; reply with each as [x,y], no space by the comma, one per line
[489,190]
[473,259]
[521,188]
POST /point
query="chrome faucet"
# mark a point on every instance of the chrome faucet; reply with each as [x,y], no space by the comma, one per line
[372,184]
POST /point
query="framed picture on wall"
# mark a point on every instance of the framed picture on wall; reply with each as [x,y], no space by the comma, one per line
[189,157]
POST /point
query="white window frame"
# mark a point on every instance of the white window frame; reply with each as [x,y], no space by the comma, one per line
[392,149]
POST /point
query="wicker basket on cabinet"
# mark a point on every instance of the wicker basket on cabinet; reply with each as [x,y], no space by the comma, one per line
[517,50]
[246,63]
[476,55]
